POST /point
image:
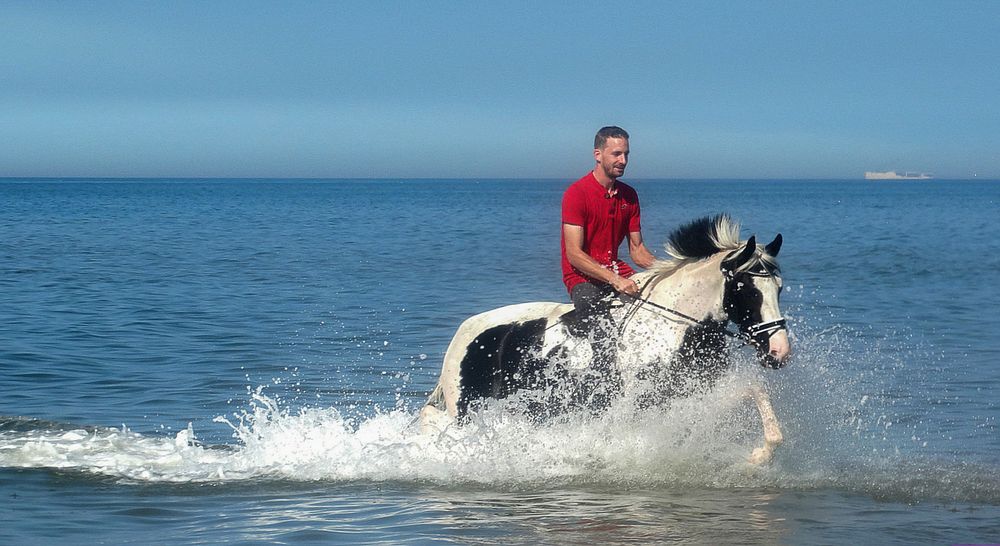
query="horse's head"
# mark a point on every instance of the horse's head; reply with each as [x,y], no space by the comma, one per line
[752,287]
[751,281]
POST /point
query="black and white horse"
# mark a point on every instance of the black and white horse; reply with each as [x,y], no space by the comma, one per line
[672,337]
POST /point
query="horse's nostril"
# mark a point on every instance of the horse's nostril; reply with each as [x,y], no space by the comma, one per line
[781,354]
[771,361]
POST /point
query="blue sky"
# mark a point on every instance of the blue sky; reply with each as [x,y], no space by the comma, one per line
[498,89]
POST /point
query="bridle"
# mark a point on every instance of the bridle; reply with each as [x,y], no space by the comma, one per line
[760,329]
[753,334]
[748,335]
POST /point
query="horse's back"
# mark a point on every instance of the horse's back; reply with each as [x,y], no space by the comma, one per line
[511,314]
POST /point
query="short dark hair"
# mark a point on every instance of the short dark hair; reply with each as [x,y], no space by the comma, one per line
[605,133]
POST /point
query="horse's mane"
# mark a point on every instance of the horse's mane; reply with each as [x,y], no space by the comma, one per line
[706,237]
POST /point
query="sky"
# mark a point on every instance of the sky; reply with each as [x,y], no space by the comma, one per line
[728,89]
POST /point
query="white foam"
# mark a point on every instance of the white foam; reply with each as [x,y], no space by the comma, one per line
[834,414]
[704,434]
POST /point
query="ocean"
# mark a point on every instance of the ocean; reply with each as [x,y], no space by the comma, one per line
[242,361]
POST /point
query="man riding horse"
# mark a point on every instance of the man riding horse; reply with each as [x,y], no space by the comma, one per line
[639,338]
[598,212]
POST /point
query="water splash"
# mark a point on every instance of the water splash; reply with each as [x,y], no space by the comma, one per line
[845,429]
[498,445]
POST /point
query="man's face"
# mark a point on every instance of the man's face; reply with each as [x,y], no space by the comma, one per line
[613,158]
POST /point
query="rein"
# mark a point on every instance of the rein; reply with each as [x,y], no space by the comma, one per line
[749,337]
[640,302]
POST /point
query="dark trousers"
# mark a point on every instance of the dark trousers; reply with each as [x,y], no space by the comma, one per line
[593,307]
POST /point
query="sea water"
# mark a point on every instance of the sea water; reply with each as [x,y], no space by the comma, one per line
[206,361]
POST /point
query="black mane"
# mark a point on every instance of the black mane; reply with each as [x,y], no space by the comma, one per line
[698,238]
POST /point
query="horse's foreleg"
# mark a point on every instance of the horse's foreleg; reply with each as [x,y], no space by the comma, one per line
[772,432]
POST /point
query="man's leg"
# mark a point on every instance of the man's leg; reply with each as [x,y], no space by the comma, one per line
[593,304]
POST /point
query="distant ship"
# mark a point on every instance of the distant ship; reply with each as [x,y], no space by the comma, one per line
[893,175]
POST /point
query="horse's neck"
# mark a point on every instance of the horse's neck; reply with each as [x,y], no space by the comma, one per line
[695,289]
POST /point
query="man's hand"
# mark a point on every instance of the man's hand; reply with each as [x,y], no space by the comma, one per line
[625,286]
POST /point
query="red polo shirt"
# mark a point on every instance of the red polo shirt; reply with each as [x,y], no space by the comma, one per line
[606,220]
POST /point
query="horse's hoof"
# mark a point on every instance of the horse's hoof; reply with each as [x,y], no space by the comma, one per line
[760,455]
[433,421]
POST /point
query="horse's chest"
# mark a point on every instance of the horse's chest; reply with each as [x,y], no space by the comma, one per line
[651,341]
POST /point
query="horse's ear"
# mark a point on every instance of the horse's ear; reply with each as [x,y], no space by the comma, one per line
[774,246]
[732,264]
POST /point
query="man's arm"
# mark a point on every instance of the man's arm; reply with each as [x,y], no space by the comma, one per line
[637,250]
[589,266]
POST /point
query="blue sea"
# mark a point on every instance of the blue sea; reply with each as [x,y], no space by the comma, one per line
[242,361]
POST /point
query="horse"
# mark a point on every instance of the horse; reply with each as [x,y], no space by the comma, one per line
[671,337]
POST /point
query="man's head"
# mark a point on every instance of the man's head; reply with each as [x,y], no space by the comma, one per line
[608,132]
[611,152]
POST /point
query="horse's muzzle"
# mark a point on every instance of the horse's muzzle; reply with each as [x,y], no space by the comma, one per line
[769,361]
[774,349]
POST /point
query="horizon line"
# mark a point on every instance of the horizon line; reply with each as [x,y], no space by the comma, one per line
[454,178]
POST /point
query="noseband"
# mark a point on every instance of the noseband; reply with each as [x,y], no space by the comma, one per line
[765,328]
[759,334]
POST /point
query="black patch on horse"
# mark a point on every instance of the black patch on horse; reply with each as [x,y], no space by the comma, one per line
[702,356]
[698,364]
[501,360]
[575,323]
[742,302]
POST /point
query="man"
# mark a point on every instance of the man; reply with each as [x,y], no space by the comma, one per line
[598,213]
